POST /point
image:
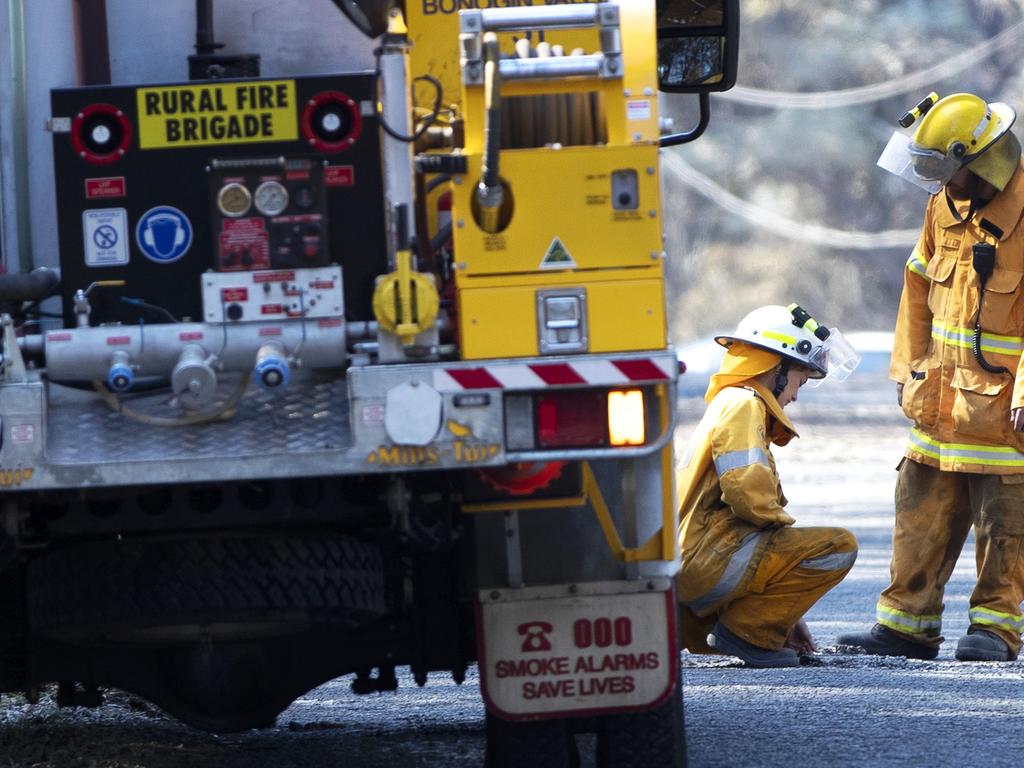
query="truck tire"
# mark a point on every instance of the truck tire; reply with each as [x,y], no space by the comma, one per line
[224,587]
[656,737]
[537,744]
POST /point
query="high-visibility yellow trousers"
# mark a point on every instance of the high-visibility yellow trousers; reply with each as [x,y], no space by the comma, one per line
[787,570]
[934,513]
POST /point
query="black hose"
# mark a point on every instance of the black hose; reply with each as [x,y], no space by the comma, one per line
[32,286]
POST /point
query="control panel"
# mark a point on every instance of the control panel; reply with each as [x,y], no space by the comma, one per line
[268,213]
[280,294]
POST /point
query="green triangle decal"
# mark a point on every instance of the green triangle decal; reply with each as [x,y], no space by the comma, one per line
[557,257]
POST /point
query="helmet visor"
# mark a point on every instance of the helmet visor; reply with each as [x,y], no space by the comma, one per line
[932,165]
[897,159]
[836,356]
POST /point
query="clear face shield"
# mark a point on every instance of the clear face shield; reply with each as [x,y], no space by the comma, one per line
[836,356]
[924,168]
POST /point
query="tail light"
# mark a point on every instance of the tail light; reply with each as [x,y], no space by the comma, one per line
[572,419]
[575,418]
[626,422]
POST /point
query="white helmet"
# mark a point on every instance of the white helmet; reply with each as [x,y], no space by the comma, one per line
[794,335]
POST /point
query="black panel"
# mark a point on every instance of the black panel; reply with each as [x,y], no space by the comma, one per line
[335,197]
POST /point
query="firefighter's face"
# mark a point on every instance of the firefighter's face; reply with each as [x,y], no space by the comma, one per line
[795,379]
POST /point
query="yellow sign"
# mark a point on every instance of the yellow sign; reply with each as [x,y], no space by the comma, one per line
[217,113]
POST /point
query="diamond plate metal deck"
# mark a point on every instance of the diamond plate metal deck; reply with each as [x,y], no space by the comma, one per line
[311,416]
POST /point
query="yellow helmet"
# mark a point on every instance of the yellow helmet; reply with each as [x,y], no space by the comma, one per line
[957,131]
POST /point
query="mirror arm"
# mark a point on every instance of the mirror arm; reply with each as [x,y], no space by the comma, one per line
[682,138]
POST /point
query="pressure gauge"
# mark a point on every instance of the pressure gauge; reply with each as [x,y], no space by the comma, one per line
[271,198]
[234,200]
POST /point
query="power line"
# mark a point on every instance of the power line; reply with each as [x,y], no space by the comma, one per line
[866,94]
[811,234]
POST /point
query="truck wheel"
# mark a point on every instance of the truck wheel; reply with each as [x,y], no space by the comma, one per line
[225,587]
[538,744]
[656,737]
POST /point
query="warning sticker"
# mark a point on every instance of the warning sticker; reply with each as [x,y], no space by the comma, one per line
[244,244]
[639,109]
[340,176]
[557,257]
[105,237]
[99,189]
[217,113]
[575,654]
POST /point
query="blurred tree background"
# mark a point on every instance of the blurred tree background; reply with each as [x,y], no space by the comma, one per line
[794,207]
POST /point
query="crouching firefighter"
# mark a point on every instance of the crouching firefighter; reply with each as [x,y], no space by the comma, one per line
[747,574]
[956,362]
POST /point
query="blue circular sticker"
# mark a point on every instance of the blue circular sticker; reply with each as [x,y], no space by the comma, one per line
[163,234]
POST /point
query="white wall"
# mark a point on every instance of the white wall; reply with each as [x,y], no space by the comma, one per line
[150,41]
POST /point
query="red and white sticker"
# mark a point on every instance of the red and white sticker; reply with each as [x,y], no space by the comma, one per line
[105,188]
[340,176]
[234,294]
[611,372]
[638,109]
[23,434]
[579,654]
[244,244]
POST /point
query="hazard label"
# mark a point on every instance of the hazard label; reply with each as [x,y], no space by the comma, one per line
[557,256]
[577,654]
[105,237]
[244,244]
[217,113]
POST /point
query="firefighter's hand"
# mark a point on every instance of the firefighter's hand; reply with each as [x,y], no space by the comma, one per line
[899,395]
[1017,419]
[800,640]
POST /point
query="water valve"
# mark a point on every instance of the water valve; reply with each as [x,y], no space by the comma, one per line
[120,377]
[272,368]
[193,380]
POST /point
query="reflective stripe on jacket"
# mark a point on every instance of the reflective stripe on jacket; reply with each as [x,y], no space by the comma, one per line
[961,412]
[729,492]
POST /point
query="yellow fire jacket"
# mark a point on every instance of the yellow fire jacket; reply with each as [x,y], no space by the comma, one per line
[961,412]
[728,486]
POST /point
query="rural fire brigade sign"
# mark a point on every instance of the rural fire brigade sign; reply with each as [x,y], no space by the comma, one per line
[217,113]
[574,654]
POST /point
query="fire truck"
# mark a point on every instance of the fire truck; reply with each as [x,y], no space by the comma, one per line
[363,370]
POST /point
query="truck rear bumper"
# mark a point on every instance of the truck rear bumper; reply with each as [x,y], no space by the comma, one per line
[326,423]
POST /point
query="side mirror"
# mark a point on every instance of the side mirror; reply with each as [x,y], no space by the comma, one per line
[369,16]
[698,45]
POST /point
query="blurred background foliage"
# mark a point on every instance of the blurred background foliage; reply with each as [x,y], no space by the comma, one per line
[817,165]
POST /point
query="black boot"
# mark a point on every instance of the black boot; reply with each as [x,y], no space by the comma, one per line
[727,642]
[981,645]
[880,641]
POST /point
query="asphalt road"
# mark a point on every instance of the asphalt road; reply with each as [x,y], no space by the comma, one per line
[843,710]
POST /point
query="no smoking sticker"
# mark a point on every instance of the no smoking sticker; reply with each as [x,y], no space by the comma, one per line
[104,235]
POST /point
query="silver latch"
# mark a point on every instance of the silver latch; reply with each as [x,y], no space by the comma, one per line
[562,321]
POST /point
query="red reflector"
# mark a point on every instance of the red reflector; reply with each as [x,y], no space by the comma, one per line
[572,419]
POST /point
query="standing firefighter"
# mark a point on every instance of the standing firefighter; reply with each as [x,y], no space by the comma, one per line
[959,337]
[746,570]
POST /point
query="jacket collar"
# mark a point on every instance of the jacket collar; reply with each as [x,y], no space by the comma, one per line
[780,428]
[1004,211]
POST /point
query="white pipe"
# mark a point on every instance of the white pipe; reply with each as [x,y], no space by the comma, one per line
[14,152]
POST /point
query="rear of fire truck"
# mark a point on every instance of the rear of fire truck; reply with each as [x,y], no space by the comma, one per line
[364,370]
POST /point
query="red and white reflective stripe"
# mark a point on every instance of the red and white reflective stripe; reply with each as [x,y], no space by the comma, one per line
[541,375]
